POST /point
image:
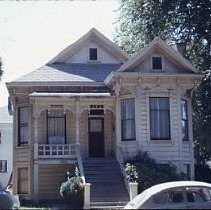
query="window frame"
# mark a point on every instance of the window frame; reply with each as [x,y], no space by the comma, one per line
[65,125]
[122,120]
[169,119]
[186,136]
[162,62]
[93,54]
[3,166]
[22,125]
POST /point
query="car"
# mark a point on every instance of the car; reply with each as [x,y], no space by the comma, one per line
[8,200]
[174,195]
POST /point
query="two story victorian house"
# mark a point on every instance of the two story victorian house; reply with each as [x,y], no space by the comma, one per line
[94,101]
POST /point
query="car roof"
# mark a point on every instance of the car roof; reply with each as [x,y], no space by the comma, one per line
[160,187]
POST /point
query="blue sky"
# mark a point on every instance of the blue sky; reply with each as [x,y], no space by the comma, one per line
[33,32]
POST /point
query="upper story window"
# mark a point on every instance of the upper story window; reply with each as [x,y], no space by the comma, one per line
[128,119]
[184,120]
[159,118]
[157,63]
[22,126]
[93,54]
[3,166]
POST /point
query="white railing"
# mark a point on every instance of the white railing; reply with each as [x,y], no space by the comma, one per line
[57,151]
[80,163]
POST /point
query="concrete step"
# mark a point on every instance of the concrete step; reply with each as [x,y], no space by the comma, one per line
[107,184]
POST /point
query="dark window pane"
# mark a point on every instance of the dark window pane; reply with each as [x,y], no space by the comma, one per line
[93,53]
[23,126]
[157,63]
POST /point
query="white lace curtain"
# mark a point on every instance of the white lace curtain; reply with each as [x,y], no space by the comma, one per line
[56,127]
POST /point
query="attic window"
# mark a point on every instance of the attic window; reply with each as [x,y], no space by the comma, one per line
[93,54]
[157,63]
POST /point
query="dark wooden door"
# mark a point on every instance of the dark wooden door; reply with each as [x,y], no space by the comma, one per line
[96,137]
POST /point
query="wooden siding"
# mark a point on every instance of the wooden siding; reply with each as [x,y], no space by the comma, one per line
[168,65]
[82,56]
[50,179]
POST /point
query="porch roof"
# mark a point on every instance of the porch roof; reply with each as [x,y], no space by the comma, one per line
[70,95]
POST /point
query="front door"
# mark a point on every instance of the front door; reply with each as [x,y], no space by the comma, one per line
[96,137]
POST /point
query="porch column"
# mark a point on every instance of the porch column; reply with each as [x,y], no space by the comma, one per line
[36,167]
[77,116]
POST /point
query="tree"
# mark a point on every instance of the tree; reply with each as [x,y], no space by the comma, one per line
[186,21]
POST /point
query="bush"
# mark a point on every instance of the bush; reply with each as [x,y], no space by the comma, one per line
[72,191]
[144,170]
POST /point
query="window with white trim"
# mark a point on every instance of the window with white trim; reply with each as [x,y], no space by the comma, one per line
[184,120]
[3,166]
[159,118]
[56,127]
[128,119]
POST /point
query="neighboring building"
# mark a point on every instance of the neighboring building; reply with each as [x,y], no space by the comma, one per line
[6,148]
[94,95]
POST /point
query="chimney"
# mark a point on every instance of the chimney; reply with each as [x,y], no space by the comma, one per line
[179,47]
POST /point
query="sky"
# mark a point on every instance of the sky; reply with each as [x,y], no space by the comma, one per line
[33,32]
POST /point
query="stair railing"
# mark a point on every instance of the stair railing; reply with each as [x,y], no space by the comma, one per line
[82,174]
[80,163]
[132,187]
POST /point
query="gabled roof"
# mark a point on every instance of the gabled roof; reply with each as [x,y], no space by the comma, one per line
[166,50]
[75,72]
[92,35]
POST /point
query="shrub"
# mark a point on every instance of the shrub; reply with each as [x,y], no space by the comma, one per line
[144,170]
[72,191]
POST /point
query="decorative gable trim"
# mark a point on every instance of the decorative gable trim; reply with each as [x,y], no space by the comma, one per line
[166,50]
[92,35]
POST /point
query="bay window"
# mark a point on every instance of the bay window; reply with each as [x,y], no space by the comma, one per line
[159,118]
[128,119]
[184,119]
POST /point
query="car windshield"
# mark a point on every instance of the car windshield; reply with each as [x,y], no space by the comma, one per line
[137,200]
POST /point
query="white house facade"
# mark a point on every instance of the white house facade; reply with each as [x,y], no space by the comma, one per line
[95,101]
[6,149]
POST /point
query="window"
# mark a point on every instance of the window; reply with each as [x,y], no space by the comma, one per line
[159,119]
[195,194]
[93,54]
[23,181]
[184,120]
[128,119]
[23,126]
[3,166]
[157,63]
[56,127]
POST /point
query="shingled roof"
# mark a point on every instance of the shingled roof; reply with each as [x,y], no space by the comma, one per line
[77,72]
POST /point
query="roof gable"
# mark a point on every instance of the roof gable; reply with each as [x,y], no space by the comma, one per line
[93,36]
[160,47]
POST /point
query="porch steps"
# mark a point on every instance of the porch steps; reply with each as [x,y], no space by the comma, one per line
[107,186]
